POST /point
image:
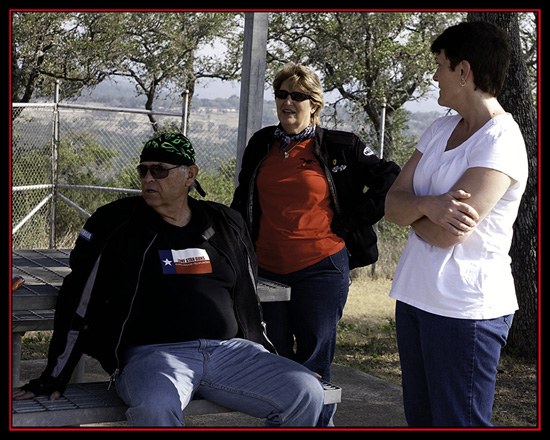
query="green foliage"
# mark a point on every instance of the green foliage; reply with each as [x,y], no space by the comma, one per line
[158,51]
[218,182]
[82,161]
[81,158]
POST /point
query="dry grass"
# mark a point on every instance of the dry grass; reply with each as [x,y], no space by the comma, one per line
[366,338]
[366,341]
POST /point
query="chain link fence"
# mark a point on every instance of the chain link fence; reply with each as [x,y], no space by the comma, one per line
[68,160]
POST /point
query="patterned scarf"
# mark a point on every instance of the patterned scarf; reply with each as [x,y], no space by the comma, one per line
[280,135]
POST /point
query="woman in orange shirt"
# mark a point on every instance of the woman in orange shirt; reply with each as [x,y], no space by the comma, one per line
[301,190]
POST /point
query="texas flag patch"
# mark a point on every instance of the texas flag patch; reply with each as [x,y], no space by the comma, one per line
[185,261]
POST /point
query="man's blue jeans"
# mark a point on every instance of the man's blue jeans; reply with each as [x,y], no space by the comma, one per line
[318,296]
[448,367]
[158,381]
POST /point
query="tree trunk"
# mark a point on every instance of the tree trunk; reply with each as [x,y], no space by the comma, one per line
[516,99]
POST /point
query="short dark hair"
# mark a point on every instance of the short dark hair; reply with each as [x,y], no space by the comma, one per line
[484,45]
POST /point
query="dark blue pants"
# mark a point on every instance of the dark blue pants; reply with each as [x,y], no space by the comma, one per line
[448,367]
[318,296]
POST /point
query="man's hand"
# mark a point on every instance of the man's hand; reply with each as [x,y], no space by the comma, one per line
[20,394]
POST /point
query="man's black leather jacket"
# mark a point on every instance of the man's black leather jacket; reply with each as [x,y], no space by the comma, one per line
[95,300]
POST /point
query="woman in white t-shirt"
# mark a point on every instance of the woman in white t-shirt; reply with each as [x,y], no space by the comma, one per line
[460,192]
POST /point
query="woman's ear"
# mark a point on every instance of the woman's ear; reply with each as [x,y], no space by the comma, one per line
[465,70]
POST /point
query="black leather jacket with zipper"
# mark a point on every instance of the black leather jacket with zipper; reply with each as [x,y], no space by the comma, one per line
[358,182]
[96,298]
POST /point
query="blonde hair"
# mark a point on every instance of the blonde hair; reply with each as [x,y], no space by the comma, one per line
[306,81]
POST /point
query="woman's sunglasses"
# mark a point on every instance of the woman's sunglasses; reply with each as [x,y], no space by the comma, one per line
[296,96]
[157,171]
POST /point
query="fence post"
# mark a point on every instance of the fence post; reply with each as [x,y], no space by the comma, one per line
[380,156]
[185,95]
[382,128]
[55,161]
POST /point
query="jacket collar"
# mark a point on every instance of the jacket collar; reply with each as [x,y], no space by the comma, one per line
[318,148]
[150,218]
[319,136]
[201,217]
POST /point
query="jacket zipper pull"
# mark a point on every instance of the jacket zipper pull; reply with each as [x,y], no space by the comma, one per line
[112,379]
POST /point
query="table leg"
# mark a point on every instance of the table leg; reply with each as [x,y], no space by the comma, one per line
[16,358]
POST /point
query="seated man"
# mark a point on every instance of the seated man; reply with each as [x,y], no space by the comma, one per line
[163,293]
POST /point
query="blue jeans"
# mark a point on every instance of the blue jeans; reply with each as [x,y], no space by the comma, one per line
[448,367]
[318,296]
[158,381]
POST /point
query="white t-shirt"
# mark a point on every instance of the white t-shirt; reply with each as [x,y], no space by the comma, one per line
[472,280]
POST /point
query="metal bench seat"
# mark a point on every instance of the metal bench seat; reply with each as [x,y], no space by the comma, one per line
[93,402]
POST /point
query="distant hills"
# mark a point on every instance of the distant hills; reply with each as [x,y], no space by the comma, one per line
[121,93]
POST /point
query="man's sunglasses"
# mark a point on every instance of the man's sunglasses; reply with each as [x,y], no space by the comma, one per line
[296,96]
[157,171]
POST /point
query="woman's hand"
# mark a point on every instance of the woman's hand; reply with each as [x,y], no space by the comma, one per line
[449,212]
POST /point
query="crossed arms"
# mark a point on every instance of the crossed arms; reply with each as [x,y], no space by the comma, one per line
[448,219]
